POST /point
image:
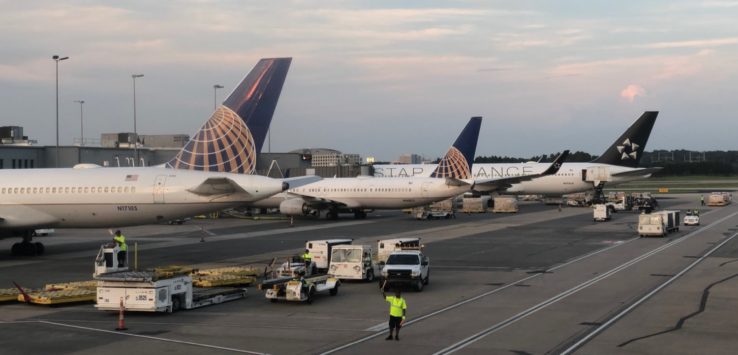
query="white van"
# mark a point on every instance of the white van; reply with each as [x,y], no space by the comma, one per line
[321,250]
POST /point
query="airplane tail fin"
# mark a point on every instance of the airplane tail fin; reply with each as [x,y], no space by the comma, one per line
[457,162]
[233,136]
[628,149]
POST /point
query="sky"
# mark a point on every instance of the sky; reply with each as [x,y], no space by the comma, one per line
[383,78]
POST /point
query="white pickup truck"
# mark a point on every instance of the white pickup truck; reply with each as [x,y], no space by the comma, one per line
[406,267]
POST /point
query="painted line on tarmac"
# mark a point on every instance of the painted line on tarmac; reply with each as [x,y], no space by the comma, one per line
[524,314]
[620,315]
[383,328]
[151,338]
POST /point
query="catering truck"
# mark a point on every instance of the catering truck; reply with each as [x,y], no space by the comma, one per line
[321,251]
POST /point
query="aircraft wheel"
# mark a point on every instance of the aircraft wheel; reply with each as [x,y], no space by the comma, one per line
[39,248]
[370,276]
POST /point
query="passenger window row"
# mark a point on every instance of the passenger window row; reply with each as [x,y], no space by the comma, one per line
[68,190]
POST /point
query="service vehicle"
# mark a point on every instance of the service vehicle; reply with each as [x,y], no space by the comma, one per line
[407,267]
[158,290]
[296,265]
[353,262]
[321,251]
[692,218]
[385,247]
[601,212]
[299,289]
[658,223]
[717,199]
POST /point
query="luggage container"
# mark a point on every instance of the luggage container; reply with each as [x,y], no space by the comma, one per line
[505,205]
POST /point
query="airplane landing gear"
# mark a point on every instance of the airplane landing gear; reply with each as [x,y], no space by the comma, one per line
[599,196]
[27,247]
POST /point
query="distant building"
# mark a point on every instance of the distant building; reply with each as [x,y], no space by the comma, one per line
[13,135]
[126,139]
[410,159]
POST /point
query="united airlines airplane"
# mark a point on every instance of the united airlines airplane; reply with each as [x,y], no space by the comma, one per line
[618,164]
[451,177]
[210,173]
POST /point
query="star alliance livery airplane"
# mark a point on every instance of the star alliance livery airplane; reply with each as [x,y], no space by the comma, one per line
[451,177]
[210,173]
[618,164]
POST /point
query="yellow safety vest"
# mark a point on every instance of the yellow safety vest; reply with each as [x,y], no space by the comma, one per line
[121,242]
[397,305]
[307,257]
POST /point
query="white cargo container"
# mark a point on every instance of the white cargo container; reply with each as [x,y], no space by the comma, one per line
[475,204]
[385,247]
[505,204]
[353,262]
[601,212]
[658,223]
[321,250]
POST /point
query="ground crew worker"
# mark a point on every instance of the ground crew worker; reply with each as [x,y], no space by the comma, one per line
[702,200]
[307,258]
[398,310]
[120,240]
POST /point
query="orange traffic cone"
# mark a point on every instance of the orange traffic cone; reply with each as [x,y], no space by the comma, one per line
[121,318]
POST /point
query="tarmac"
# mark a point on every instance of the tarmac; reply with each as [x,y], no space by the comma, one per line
[541,281]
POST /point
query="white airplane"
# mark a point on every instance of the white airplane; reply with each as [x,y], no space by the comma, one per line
[451,177]
[617,165]
[210,173]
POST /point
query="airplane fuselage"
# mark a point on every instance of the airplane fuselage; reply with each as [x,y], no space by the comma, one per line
[105,197]
[370,193]
[571,177]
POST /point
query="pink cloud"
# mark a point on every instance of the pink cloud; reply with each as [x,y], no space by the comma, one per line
[631,91]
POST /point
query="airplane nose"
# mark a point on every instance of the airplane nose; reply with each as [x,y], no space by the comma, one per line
[285,186]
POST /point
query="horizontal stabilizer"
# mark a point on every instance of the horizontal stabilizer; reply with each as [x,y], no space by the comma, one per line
[217,186]
[301,180]
[637,172]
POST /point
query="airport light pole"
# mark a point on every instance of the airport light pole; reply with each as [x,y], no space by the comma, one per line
[57,59]
[135,131]
[81,123]
[215,95]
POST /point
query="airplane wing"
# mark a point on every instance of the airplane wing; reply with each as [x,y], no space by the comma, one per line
[489,185]
[301,180]
[638,172]
[322,203]
[217,186]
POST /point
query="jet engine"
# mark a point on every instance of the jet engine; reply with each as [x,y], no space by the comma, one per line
[295,206]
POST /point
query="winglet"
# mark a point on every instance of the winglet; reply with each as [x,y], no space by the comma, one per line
[233,136]
[556,164]
[459,159]
[628,149]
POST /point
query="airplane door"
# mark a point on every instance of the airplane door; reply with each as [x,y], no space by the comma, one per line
[159,184]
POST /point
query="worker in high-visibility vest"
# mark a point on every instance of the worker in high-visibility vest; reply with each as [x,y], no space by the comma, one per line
[120,240]
[307,258]
[397,312]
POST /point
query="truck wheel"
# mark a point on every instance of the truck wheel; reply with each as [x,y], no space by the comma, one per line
[370,276]
[176,303]
[311,295]
[333,291]
[419,285]
[273,300]
[427,279]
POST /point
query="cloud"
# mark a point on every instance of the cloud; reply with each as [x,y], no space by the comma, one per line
[715,42]
[631,91]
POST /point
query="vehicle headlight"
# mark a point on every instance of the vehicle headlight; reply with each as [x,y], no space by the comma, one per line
[334,267]
[357,268]
[415,273]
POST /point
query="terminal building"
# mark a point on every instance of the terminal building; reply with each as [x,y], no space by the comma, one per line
[117,150]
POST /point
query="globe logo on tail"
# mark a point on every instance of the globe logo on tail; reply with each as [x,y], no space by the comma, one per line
[453,165]
[223,144]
